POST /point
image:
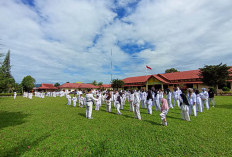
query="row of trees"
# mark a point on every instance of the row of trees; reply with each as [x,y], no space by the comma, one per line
[7,81]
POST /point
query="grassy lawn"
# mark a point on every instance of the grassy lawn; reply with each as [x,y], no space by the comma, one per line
[48,127]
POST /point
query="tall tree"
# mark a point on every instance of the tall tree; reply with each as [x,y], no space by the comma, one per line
[7,81]
[28,83]
[171,70]
[94,83]
[116,83]
[100,83]
[214,75]
[57,84]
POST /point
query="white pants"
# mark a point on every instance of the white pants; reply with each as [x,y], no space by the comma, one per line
[149,106]
[199,105]
[89,107]
[108,107]
[206,103]
[74,103]
[81,104]
[69,102]
[185,112]
[192,109]
[212,100]
[177,101]
[97,106]
[143,104]
[14,96]
[157,105]
[137,111]
[131,106]
[170,103]
[121,106]
[117,104]
[163,115]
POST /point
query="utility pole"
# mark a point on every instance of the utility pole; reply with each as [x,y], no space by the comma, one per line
[111,65]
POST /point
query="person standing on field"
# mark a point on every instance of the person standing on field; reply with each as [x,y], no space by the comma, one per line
[198,105]
[149,102]
[74,99]
[131,100]
[136,105]
[89,103]
[192,99]
[108,102]
[15,94]
[169,98]
[184,104]
[204,98]
[69,99]
[164,111]
[211,97]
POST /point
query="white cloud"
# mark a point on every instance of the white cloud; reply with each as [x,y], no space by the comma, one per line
[71,40]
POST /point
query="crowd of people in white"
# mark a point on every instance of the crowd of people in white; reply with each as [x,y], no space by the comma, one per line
[191,103]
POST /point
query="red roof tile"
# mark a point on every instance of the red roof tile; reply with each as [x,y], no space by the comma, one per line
[47,86]
[193,74]
[106,86]
[136,79]
[77,85]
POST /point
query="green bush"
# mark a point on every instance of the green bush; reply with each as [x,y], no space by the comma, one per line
[9,94]
[226,89]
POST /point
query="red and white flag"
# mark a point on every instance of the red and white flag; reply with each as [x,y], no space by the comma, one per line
[148,67]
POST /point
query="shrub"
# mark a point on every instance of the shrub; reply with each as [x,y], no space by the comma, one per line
[226,89]
[9,94]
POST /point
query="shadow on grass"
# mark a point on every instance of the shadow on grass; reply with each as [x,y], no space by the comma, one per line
[223,106]
[174,117]
[82,114]
[24,146]
[127,116]
[152,122]
[11,118]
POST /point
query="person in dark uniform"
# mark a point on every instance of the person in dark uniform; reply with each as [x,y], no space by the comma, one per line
[211,96]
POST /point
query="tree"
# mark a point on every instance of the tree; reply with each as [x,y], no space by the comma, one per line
[172,70]
[94,83]
[28,83]
[100,83]
[214,75]
[116,83]
[56,84]
[7,81]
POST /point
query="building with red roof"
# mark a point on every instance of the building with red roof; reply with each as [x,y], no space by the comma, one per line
[46,87]
[106,86]
[186,79]
[76,86]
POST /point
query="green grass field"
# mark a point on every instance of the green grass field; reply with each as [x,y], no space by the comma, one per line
[48,127]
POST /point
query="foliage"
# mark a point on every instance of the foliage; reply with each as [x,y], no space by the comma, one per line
[100,83]
[214,75]
[171,70]
[226,89]
[64,130]
[94,83]
[116,83]
[57,84]
[7,81]
[9,94]
[28,83]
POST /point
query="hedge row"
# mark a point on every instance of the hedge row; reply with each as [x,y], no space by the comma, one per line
[9,94]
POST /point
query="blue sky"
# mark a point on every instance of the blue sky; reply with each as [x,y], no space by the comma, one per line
[60,41]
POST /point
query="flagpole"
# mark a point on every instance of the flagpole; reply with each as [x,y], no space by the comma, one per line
[111,65]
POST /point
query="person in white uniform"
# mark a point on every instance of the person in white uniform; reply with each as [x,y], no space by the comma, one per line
[97,103]
[143,99]
[149,102]
[136,105]
[169,98]
[69,99]
[164,112]
[176,96]
[198,103]
[15,94]
[156,97]
[192,99]
[204,98]
[131,100]
[184,104]
[108,102]
[118,103]
[89,104]
[74,99]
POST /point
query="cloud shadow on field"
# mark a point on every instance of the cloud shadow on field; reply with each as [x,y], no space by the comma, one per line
[152,122]
[24,146]
[11,118]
